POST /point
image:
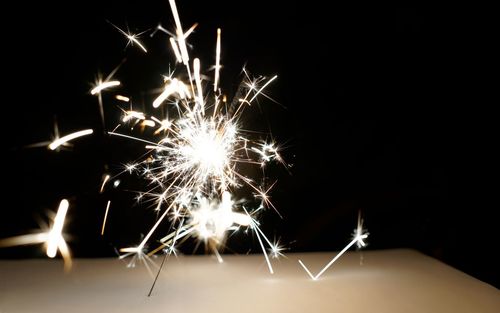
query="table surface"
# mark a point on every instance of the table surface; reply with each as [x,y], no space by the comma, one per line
[370,281]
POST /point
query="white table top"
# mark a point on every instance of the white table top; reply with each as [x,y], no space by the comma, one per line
[387,281]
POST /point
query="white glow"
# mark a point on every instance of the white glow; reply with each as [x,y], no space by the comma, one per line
[217,60]
[105,217]
[212,219]
[122,98]
[177,53]
[55,238]
[105,180]
[180,35]
[196,68]
[58,142]
[173,86]
[104,85]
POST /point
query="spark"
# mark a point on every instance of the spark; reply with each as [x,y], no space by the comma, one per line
[276,250]
[101,85]
[307,270]
[172,86]
[217,60]
[60,141]
[105,180]
[358,236]
[104,85]
[54,137]
[122,98]
[212,220]
[130,115]
[52,238]
[180,36]
[264,251]
[196,66]
[175,48]
[190,30]
[132,38]
[105,218]
[360,233]
[148,123]
[162,29]
[164,125]
[262,88]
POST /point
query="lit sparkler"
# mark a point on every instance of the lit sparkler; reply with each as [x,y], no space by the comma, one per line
[358,237]
[193,165]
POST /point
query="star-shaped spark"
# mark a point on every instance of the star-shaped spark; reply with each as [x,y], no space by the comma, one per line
[132,38]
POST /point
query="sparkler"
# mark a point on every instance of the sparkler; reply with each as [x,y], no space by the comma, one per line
[193,165]
[193,162]
[358,237]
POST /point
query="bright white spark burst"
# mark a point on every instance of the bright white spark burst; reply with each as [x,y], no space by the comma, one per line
[193,167]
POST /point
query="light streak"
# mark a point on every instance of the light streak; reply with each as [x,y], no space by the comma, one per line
[122,98]
[358,236]
[196,67]
[52,238]
[105,217]
[104,85]
[180,36]
[265,254]
[105,180]
[175,48]
[101,85]
[217,60]
[172,87]
[58,142]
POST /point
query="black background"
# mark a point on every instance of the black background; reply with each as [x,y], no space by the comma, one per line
[368,118]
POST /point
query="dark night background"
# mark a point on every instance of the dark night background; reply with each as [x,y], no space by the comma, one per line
[368,118]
